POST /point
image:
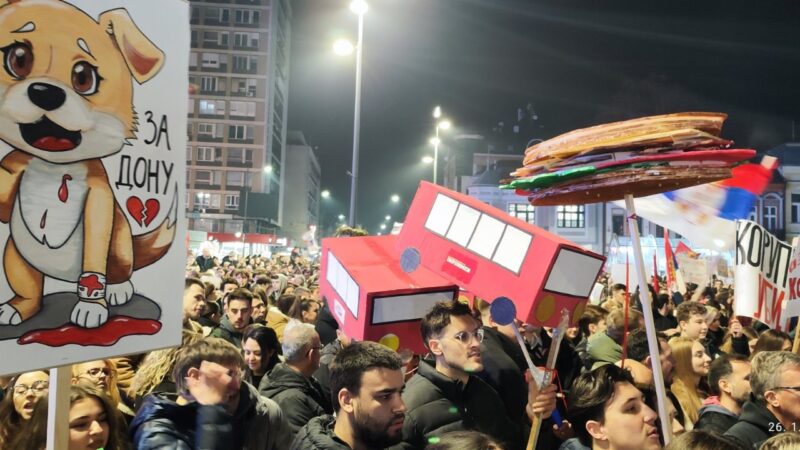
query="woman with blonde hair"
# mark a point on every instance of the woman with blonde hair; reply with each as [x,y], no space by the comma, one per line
[691,368]
[102,374]
[155,372]
[782,441]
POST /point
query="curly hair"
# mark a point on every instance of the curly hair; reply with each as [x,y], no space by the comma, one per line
[157,366]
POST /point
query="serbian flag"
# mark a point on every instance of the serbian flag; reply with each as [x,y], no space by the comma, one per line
[674,277]
[705,214]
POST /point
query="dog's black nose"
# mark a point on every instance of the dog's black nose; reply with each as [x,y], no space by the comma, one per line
[46,96]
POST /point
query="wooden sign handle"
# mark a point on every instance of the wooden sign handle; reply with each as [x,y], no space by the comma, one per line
[58,408]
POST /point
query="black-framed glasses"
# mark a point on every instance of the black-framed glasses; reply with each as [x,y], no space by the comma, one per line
[98,372]
[38,387]
[465,337]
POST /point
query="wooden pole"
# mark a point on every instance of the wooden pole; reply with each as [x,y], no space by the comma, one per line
[58,408]
[650,328]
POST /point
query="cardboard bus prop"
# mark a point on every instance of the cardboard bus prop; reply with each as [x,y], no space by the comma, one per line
[92,138]
[492,255]
[372,297]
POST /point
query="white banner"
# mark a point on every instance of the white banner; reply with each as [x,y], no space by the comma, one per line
[92,141]
[762,274]
[693,270]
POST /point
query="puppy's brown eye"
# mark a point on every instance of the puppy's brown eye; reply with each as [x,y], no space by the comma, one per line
[18,60]
[85,79]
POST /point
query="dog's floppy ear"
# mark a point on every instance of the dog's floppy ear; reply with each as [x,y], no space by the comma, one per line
[143,58]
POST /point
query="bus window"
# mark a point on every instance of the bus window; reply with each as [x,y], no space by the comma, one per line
[441,214]
[573,273]
[343,284]
[487,235]
[401,308]
[463,225]
[512,249]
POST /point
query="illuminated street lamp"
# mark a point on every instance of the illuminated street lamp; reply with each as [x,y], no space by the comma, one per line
[427,159]
[440,125]
[325,194]
[395,198]
[268,168]
[388,218]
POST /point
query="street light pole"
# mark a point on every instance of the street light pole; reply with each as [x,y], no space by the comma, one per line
[356,122]
[436,154]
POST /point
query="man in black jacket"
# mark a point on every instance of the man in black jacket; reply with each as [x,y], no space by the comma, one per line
[366,380]
[291,384]
[213,409]
[729,383]
[774,405]
[238,309]
[445,395]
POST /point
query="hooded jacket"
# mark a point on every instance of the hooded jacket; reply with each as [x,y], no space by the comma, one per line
[226,331]
[437,404]
[756,424]
[318,435]
[301,398]
[715,417]
[257,424]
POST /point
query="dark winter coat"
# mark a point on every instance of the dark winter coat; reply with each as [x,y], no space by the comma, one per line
[326,325]
[225,331]
[715,418]
[300,398]
[323,374]
[318,435]
[503,373]
[437,404]
[756,424]
[257,424]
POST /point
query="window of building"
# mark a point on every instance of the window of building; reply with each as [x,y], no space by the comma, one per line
[232,201]
[522,211]
[191,106]
[214,60]
[248,40]
[209,130]
[771,217]
[246,16]
[234,178]
[212,84]
[571,216]
[244,63]
[240,155]
[202,199]
[240,132]
[209,154]
[244,87]
[218,14]
[795,208]
[188,153]
[753,217]
[215,39]
[212,107]
[243,109]
[193,59]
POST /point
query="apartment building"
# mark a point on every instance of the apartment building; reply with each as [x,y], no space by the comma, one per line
[239,78]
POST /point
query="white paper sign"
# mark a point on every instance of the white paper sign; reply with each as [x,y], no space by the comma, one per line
[693,270]
[92,141]
[762,273]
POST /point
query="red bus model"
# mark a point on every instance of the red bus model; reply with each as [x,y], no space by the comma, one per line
[371,296]
[492,254]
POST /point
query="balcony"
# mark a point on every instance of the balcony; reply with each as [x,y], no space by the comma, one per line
[209,138]
[247,48]
[209,163]
[207,187]
[240,141]
[247,25]
[247,2]
[211,116]
[215,21]
[221,69]
[243,70]
[235,163]
[249,94]
[217,93]
[215,45]
[248,118]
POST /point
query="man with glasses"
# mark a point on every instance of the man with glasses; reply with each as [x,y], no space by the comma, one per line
[774,406]
[213,408]
[291,383]
[446,395]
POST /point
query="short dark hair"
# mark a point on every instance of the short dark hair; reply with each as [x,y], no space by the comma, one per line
[349,365]
[660,300]
[721,368]
[618,287]
[210,349]
[438,318]
[687,309]
[194,281]
[285,303]
[592,315]
[240,294]
[638,349]
[228,280]
[590,393]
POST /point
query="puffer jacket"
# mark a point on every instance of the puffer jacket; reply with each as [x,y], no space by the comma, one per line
[318,435]
[301,398]
[257,424]
[715,417]
[437,404]
[225,331]
[756,424]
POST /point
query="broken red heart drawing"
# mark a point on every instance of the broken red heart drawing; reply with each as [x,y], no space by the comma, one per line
[143,213]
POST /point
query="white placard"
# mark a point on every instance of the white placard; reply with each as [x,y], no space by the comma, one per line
[400,308]
[94,157]
[762,273]
[693,270]
[573,273]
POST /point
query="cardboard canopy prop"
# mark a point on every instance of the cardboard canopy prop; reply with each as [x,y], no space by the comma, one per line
[372,297]
[92,140]
[492,255]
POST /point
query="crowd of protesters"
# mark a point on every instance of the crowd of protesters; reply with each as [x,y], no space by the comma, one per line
[263,365]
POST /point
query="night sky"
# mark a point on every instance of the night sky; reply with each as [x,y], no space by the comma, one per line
[579,63]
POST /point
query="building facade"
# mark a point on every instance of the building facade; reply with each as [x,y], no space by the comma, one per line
[302,187]
[239,75]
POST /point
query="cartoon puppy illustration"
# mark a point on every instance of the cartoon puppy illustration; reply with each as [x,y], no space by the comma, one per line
[66,96]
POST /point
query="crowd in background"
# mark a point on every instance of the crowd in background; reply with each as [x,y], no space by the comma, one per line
[263,365]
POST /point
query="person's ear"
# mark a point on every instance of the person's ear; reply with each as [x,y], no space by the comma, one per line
[435,346]
[346,398]
[592,328]
[682,325]
[724,386]
[596,430]
[772,398]
[648,362]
